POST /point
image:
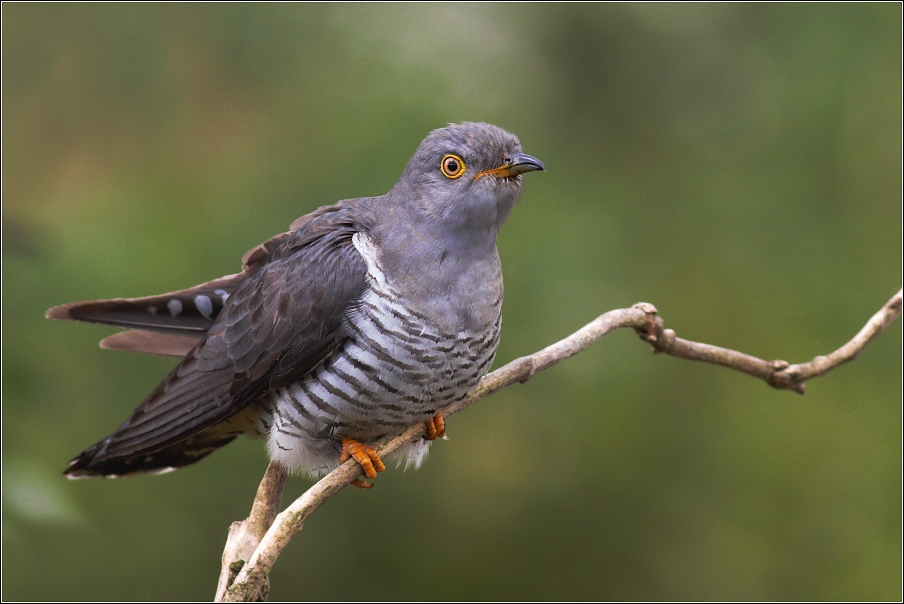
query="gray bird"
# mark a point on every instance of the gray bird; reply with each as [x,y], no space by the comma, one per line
[366,317]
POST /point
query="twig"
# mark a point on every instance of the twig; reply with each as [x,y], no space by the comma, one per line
[251,580]
[823,364]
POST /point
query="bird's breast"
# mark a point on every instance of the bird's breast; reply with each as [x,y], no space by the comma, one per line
[454,291]
[406,355]
[395,369]
[430,361]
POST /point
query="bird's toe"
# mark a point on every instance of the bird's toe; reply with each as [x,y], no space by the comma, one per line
[436,427]
[366,456]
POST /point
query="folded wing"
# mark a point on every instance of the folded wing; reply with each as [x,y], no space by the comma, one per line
[283,316]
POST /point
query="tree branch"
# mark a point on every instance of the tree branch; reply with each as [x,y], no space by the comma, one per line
[251,582]
[246,535]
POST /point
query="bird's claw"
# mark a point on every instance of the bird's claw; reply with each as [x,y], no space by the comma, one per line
[436,427]
[366,456]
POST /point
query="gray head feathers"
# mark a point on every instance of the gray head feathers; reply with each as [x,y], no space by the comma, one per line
[459,187]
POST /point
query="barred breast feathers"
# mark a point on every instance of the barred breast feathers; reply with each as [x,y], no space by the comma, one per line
[398,367]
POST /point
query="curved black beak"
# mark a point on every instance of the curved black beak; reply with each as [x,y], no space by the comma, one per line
[519,163]
[515,164]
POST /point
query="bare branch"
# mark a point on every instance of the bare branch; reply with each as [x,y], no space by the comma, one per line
[251,581]
[823,364]
[779,374]
[245,536]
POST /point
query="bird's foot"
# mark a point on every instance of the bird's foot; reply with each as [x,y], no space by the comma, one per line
[436,427]
[366,456]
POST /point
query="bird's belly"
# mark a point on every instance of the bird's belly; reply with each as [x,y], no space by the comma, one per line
[396,369]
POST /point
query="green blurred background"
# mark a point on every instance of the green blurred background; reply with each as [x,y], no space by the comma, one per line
[738,166]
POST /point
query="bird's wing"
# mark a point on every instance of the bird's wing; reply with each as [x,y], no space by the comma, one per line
[283,319]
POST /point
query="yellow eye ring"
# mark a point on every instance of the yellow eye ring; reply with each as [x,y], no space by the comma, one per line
[452,166]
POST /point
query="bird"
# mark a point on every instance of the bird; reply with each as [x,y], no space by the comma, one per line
[366,317]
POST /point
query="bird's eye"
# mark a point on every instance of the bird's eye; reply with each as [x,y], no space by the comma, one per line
[452,166]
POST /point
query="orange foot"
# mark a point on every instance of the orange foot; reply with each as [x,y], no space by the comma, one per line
[366,456]
[436,427]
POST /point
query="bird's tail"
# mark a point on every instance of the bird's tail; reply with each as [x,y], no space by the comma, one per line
[168,324]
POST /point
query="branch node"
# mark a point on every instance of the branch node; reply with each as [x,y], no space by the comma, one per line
[651,332]
[786,376]
[646,307]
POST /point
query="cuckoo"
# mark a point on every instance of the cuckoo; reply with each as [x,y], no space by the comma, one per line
[366,317]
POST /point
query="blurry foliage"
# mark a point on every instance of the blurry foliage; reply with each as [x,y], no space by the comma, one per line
[737,165]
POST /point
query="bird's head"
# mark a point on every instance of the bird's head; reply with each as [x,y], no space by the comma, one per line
[464,180]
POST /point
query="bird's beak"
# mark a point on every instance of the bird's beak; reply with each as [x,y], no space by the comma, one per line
[517,163]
